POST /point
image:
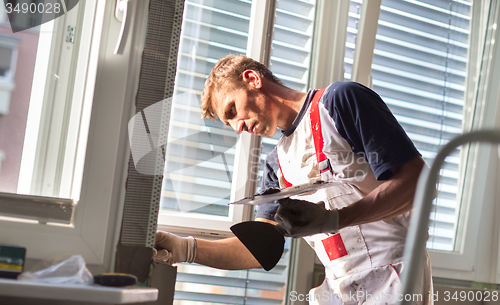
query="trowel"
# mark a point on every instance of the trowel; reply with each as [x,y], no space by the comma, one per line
[266,241]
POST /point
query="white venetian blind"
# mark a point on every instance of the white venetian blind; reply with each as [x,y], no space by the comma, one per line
[196,283]
[419,70]
[200,153]
[291,54]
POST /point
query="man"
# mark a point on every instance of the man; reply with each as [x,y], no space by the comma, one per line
[343,133]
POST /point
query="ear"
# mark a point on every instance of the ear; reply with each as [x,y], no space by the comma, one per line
[252,78]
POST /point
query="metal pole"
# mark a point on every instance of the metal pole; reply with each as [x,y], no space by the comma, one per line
[422,204]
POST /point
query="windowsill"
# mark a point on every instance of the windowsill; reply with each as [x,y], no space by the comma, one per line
[94,293]
[7,84]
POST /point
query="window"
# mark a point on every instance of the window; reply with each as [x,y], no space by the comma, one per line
[196,283]
[17,61]
[43,102]
[8,61]
[3,15]
[291,55]
[201,154]
[2,157]
[6,58]
[423,48]
[432,64]
[69,124]
[419,69]
[352,30]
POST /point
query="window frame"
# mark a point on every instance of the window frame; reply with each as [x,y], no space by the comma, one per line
[478,199]
[42,159]
[7,82]
[3,16]
[478,191]
[109,94]
[464,261]
[329,67]
[259,47]
[10,43]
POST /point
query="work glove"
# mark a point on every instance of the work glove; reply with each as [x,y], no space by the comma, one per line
[301,218]
[172,249]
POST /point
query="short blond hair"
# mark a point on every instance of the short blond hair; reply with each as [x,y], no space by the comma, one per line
[228,74]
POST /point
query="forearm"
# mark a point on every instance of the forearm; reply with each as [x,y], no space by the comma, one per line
[229,254]
[390,199]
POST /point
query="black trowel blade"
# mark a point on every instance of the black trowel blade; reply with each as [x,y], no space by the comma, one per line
[263,240]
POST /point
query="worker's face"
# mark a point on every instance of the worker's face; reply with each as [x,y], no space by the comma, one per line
[247,109]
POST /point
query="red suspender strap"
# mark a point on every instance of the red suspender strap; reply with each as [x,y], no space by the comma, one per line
[323,162]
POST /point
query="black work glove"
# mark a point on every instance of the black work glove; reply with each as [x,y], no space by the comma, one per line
[301,218]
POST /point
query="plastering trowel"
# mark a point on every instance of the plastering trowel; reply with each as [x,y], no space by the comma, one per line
[264,240]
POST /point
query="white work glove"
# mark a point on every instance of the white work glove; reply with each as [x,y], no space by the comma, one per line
[172,249]
[301,218]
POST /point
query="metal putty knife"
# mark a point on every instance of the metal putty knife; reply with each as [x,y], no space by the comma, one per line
[277,194]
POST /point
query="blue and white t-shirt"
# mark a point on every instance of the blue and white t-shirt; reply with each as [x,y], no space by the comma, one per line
[364,121]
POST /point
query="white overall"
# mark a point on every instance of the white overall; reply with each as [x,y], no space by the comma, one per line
[362,263]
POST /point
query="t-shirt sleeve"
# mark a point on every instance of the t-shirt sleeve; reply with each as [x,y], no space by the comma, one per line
[269,179]
[367,124]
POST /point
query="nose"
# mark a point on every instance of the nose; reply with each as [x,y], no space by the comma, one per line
[238,126]
[241,126]
[234,125]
